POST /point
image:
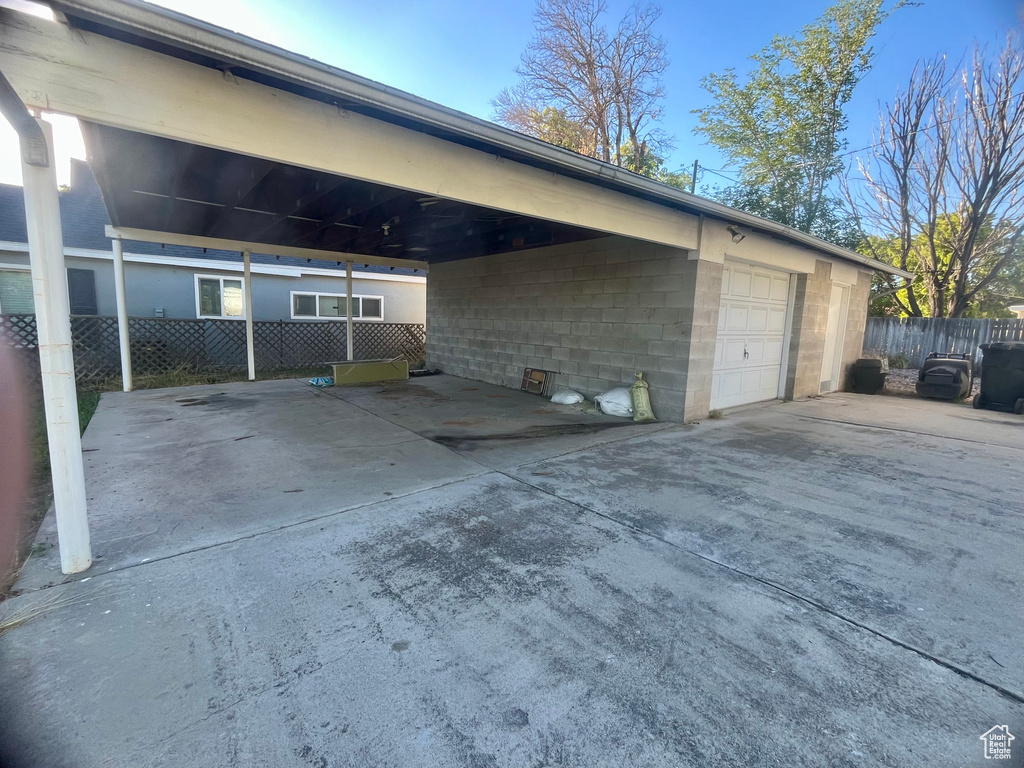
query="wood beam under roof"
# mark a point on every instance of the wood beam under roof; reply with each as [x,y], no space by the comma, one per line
[224,244]
[184,157]
[378,197]
[258,174]
[322,188]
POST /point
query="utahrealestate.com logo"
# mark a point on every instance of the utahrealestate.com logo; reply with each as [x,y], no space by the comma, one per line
[997,742]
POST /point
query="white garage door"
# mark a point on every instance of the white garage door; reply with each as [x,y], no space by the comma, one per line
[751,331]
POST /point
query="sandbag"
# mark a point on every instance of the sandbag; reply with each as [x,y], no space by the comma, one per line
[567,397]
[642,410]
[616,402]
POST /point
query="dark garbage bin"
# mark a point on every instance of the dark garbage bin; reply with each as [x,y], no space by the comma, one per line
[946,376]
[1002,377]
[867,376]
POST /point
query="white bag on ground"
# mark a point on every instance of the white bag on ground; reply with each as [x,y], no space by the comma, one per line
[616,402]
[567,397]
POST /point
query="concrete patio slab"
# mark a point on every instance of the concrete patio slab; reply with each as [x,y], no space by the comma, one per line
[939,418]
[485,623]
[775,588]
[496,426]
[178,469]
[916,536]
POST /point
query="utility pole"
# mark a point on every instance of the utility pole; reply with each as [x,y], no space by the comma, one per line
[693,179]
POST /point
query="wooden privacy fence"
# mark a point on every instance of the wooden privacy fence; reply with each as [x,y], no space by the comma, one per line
[159,345]
[914,338]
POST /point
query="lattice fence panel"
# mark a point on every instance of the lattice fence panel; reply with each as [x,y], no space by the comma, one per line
[19,331]
[296,344]
[373,341]
[225,344]
[159,345]
[95,344]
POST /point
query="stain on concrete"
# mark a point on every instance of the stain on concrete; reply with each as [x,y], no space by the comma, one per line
[516,718]
[468,443]
[497,542]
[403,390]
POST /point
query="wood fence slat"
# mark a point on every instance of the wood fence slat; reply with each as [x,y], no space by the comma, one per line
[914,338]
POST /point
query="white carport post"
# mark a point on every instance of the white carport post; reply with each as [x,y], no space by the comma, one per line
[250,346]
[122,315]
[56,359]
[348,311]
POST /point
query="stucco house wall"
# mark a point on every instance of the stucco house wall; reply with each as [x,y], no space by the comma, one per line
[151,286]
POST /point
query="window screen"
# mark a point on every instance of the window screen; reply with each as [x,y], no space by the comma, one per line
[305,305]
[371,309]
[82,291]
[16,293]
[332,306]
[326,305]
[209,297]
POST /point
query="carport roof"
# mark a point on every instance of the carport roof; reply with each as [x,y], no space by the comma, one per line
[174,34]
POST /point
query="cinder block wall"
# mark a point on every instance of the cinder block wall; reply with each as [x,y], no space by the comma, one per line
[810,322]
[594,312]
[707,301]
[856,323]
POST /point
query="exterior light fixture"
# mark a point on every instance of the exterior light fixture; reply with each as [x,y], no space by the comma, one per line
[737,236]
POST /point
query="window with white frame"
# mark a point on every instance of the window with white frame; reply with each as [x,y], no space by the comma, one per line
[332,306]
[219,296]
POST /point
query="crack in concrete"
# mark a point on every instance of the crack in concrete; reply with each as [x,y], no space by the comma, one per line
[253,534]
[907,431]
[945,663]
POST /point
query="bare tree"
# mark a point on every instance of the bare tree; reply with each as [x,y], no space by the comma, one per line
[578,81]
[638,64]
[942,194]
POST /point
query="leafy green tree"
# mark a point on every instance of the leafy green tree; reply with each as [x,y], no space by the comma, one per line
[653,166]
[516,109]
[1006,289]
[782,125]
[999,291]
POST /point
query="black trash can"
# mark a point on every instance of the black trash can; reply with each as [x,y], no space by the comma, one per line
[946,376]
[867,376]
[1002,377]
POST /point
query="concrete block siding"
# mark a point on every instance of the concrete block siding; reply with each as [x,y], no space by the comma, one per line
[856,322]
[810,322]
[597,312]
[594,312]
[706,294]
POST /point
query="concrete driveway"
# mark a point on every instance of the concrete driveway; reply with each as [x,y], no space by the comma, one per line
[444,573]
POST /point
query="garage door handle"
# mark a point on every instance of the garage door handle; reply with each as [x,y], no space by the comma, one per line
[745,353]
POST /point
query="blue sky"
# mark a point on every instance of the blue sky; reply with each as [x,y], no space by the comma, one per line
[460,53]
